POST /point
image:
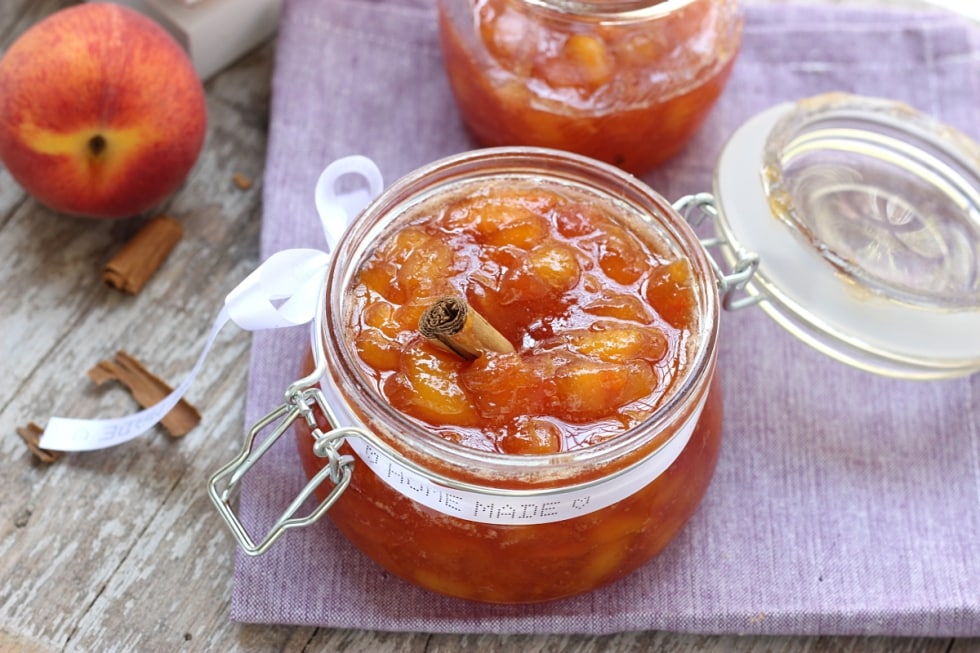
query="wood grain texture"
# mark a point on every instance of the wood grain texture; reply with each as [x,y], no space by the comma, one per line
[121,550]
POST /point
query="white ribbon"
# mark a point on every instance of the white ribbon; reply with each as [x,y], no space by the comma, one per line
[517,508]
[281,292]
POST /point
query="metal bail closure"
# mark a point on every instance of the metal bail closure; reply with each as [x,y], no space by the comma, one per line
[696,209]
[300,403]
[336,208]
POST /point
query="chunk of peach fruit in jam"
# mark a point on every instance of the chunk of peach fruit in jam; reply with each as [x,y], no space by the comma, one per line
[586,389]
[377,350]
[556,265]
[669,290]
[620,344]
[534,435]
[427,386]
[584,61]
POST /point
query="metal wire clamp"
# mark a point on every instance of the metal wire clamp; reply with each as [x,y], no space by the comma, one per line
[224,485]
[696,209]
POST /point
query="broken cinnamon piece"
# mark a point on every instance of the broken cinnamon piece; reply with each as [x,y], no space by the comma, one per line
[31,434]
[147,390]
[142,255]
[241,181]
[453,324]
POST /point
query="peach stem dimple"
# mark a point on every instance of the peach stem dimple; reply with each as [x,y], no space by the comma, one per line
[97,144]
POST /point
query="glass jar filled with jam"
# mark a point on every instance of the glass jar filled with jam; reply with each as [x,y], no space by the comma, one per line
[627,82]
[563,434]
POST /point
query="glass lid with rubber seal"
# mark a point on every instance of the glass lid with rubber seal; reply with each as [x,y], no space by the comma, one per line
[866,217]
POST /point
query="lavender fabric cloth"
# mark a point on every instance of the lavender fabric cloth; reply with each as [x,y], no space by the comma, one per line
[843,503]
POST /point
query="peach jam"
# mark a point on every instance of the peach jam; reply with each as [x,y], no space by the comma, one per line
[559,466]
[626,82]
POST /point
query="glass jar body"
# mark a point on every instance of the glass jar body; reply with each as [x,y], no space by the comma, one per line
[523,564]
[473,556]
[629,86]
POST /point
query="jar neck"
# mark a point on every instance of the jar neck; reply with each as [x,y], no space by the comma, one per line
[620,10]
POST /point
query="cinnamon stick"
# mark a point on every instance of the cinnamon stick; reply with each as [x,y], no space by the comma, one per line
[142,255]
[451,323]
[31,434]
[147,390]
[241,181]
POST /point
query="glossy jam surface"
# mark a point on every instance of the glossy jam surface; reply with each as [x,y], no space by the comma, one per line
[600,319]
[605,324]
[631,93]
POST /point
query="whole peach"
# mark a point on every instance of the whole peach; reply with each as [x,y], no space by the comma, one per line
[101,112]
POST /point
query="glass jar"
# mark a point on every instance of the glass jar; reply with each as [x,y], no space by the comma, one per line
[627,82]
[481,524]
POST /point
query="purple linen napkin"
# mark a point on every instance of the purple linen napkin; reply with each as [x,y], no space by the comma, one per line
[843,503]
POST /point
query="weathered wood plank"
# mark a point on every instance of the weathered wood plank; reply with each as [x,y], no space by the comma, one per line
[120,550]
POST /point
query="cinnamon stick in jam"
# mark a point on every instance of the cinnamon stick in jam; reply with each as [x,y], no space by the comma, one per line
[451,323]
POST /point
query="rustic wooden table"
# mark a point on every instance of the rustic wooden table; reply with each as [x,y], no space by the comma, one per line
[121,550]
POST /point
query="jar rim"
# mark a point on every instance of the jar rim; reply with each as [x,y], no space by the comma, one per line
[620,10]
[343,366]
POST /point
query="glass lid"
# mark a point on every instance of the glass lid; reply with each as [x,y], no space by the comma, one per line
[866,216]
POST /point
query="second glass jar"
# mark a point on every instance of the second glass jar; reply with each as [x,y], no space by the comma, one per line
[627,82]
